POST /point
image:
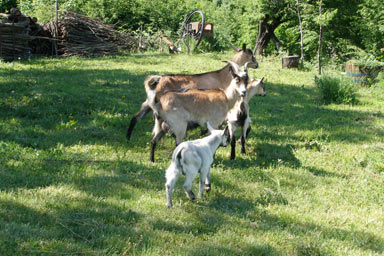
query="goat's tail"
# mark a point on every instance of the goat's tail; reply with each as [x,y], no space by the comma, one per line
[145,109]
[150,86]
[151,81]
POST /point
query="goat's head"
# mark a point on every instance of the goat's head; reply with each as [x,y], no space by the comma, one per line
[222,134]
[243,56]
[256,87]
[240,78]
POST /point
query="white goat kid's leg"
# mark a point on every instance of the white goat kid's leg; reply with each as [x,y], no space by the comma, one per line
[171,175]
[191,163]
[203,176]
[189,177]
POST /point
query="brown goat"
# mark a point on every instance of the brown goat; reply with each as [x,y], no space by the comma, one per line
[179,109]
[158,85]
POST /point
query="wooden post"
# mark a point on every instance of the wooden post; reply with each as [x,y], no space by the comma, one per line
[301,33]
[56,26]
[320,39]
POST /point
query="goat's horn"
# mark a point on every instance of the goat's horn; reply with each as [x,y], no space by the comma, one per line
[235,67]
[246,67]
[235,48]
[262,79]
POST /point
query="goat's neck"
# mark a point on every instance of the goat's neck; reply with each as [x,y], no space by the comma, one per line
[232,95]
[213,142]
[225,74]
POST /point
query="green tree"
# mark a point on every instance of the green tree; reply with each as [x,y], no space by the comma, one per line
[6,5]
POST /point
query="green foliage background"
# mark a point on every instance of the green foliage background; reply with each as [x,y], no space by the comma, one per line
[350,26]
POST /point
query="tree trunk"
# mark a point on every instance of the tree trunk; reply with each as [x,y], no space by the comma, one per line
[266,33]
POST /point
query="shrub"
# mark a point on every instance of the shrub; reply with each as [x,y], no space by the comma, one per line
[336,89]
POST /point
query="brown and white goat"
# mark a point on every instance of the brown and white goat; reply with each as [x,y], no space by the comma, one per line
[158,85]
[238,116]
[178,109]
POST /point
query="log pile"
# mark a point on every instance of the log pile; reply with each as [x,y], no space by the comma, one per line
[14,34]
[74,35]
[79,35]
[21,36]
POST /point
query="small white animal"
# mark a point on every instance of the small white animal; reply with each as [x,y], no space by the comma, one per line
[191,157]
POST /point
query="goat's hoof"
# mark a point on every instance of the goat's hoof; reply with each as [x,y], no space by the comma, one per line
[207,188]
[169,205]
[191,196]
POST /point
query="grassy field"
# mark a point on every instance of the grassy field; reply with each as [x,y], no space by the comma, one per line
[311,182]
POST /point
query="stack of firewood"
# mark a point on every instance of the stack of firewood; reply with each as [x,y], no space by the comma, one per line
[84,36]
[14,37]
[21,36]
[74,35]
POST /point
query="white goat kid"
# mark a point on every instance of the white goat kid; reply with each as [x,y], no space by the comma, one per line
[191,157]
[238,116]
[179,109]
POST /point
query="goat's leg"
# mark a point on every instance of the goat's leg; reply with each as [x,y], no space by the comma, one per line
[203,177]
[180,132]
[189,177]
[232,126]
[158,133]
[154,141]
[208,183]
[246,130]
[145,109]
[233,147]
[171,174]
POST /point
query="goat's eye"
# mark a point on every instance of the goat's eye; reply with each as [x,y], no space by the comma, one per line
[237,79]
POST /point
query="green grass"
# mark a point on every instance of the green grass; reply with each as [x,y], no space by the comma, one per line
[311,182]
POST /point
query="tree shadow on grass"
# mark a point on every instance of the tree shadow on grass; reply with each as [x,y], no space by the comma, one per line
[289,109]
[356,238]
[71,169]
[78,226]
[245,249]
[272,154]
[66,106]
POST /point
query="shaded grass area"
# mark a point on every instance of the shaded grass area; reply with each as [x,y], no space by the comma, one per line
[311,182]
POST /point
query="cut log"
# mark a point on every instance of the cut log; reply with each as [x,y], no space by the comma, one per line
[290,61]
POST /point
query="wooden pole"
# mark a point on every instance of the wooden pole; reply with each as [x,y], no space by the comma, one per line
[56,26]
[320,39]
[301,33]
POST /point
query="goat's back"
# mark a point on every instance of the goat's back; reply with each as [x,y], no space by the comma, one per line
[211,80]
[197,105]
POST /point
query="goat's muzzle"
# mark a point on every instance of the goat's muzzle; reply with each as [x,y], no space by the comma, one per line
[243,93]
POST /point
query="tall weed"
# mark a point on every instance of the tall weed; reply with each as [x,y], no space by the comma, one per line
[336,89]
